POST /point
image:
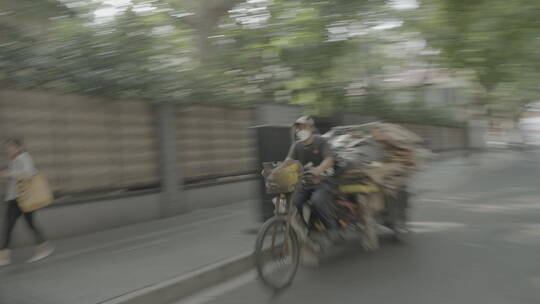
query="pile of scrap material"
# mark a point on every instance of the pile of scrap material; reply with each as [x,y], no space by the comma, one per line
[384,153]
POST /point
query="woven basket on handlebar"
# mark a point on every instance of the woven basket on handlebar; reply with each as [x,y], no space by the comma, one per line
[284,180]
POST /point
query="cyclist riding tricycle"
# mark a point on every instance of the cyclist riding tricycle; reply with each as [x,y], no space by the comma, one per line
[312,204]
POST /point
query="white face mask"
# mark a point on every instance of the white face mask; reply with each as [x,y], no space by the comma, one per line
[303,135]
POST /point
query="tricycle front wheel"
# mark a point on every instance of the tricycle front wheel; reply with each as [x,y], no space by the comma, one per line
[277,253]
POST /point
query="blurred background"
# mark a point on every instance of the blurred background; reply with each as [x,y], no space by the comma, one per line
[86,75]
[404,60]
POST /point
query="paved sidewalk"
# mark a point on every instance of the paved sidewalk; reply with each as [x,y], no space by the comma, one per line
[101,266]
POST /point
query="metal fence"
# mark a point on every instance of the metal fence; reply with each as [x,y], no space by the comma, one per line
[214,141]
[83,143]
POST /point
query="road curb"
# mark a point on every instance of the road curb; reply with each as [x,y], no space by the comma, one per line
[177,288]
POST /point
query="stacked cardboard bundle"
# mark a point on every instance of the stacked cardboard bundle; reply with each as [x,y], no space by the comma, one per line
[384,153]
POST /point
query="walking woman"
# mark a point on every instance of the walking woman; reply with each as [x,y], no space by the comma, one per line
[20,167]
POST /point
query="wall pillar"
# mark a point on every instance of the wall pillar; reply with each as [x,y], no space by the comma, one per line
[172,200]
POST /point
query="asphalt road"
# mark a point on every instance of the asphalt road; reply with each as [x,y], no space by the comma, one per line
[476,240]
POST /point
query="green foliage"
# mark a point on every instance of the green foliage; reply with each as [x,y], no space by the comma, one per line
[237,52]
[496,40]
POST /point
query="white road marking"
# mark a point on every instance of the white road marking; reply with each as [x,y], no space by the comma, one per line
[431,200]
[525,235]
[140,246]
[474,245]
[427,227]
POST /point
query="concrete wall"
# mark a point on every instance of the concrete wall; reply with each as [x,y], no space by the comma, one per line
[222,194]
[440,139]
[71,219]
[478,131]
